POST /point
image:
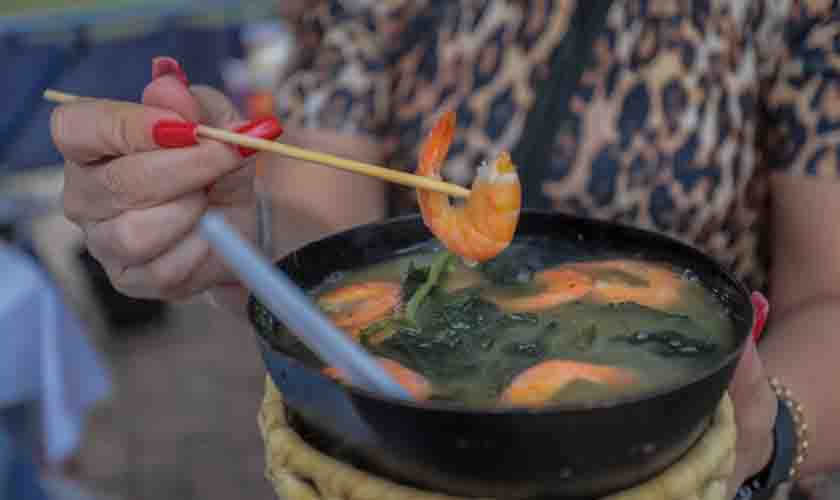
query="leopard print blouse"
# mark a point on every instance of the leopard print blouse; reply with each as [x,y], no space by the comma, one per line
[685,108]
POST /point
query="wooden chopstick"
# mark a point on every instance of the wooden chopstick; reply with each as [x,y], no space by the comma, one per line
[385,174]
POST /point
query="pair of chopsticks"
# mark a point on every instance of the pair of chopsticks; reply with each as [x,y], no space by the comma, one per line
[385,174]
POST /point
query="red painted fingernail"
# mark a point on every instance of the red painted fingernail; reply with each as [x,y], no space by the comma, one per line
[265,128]
[174,134]
[168,66]
[761,309]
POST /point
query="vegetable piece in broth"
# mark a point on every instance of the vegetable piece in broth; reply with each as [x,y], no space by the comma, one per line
[450,332]
[670,343]
[419,293]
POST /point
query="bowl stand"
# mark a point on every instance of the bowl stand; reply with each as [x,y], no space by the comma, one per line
[299,471]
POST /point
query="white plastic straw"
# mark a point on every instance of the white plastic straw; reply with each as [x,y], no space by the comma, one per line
[297,311]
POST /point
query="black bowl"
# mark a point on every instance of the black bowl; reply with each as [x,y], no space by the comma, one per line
[563,451]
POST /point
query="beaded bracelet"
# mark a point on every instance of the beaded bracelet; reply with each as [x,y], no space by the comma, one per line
[790,440]
[785,395]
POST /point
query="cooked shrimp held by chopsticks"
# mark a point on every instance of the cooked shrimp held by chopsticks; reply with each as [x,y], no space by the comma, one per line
[484,226]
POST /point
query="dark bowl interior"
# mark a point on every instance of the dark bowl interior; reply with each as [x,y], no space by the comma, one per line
[565,451]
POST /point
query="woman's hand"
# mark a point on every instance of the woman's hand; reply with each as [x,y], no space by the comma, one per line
[139,205]
[755,414]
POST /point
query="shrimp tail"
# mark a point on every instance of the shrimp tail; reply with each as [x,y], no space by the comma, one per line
[436,146]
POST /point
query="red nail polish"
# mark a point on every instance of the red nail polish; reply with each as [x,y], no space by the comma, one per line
[265,128]
[174,134]
[761,309]
[168,66]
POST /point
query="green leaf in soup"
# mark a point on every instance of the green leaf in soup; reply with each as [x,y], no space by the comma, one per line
[525,349]
[381,330]
[414,278]
[438,358]
[557,338]
[439,265]
[654,319]
[454,331]
[669,343]
[465,311]
[513,319]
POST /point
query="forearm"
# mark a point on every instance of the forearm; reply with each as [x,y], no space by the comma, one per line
[331,198]
[803,350]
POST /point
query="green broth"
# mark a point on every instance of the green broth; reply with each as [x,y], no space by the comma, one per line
[470,350]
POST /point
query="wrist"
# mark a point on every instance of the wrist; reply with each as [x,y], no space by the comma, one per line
[787,451]
[794,433]
[765,453]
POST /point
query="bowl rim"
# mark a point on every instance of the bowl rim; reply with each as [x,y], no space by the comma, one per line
[690,252]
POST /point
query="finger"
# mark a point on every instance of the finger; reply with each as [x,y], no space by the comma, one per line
[197,103]
[144,180]
[169,92]
[139,236]
[216,108]
[166,277]
[184,271]
[235,188]
[88,131]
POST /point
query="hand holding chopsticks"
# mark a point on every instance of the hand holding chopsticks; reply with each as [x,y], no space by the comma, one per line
[385,174]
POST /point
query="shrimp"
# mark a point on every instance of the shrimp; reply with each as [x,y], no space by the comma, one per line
[538,384]
[413,382]
[559,287]
[355,307]
[485,225]
[660,287]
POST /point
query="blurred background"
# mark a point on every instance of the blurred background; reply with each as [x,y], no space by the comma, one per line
[109,397]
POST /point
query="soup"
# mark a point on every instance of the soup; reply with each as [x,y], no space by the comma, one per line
[534,326]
